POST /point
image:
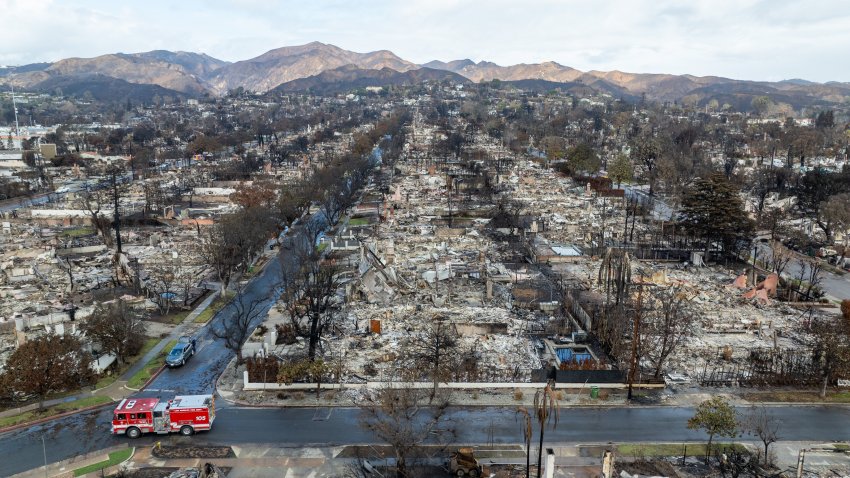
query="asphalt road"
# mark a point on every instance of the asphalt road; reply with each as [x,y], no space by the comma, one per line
[833,284]
[85,432]
[294,427]
[90,431]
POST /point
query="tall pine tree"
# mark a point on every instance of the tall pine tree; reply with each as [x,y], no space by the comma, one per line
[714,211]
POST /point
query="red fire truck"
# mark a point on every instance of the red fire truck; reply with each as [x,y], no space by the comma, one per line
[184,413]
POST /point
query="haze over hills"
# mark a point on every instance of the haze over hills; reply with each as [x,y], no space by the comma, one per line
[321,65]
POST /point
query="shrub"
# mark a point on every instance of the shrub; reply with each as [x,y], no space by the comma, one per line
[845,309]
[603,394]
[518,395]
[298,396]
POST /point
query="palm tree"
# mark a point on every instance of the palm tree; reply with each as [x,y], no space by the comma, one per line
[547,411]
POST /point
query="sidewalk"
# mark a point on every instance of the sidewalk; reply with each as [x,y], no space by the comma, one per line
[65,468]
[117,390]
[256,461]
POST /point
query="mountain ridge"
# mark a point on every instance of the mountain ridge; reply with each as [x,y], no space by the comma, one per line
[198,73]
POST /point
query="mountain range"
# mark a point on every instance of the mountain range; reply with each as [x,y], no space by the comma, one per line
[325,68]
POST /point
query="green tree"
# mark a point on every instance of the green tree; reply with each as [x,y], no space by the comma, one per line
[621,169]
[646,150]
[714,211]
[761,104]
[716,418]
[582,158]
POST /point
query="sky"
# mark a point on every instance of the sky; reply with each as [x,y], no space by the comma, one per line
[742,39]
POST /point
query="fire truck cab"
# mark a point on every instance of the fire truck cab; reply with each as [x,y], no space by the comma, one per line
[184,413]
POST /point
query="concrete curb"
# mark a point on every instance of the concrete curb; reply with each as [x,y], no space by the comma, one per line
[148,381]
[54,417]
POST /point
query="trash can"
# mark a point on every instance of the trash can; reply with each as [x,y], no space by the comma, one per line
[594,392]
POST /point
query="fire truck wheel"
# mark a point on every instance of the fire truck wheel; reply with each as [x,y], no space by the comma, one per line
[186,430]
[133,432]
[461,473]
[473,473]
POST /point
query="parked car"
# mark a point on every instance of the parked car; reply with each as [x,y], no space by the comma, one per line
[181,352]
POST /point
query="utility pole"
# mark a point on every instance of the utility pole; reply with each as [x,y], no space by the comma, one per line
[15,108]
[635,336]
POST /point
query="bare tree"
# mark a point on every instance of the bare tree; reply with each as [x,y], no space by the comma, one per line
[309,283]
[235,328]
[433,349]
[527,435]
[831,349]
[220,249]
[615,274]
[401,418]
[813,277]
[68,267]
[94,202]
[765,426]
[161,283]
[115,175]
[779,258]
[117,328]
[666,323]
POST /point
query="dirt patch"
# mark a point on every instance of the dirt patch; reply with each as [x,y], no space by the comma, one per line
[193,452]
[154,472]
[650,468]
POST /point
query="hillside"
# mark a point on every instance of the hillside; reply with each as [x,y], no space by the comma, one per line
[350,77]
[133,69]
[198,64]
[291,63]
[104,88]
[194,73]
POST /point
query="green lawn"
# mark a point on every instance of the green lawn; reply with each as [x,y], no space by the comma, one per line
[216,305]
[77,232]
[143,375]
[54,410]
[358,221]
[115,458]
[321,247]
[175,317]
[107,380]
[671,449]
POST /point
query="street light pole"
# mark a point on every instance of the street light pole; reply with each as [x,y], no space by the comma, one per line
[44,452]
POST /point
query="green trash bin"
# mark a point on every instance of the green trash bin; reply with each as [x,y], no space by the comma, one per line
[594,392]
